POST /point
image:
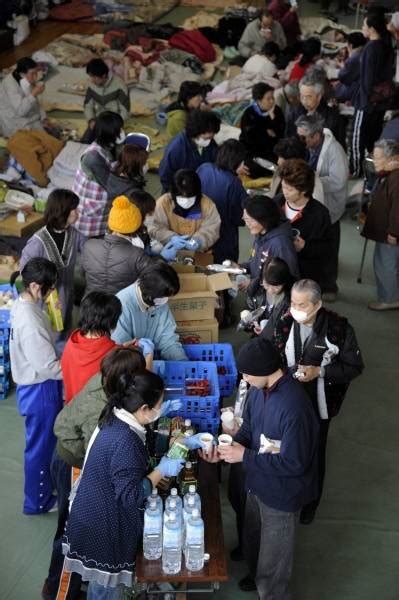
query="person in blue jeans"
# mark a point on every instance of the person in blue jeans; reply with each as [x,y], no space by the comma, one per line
[37,372]
[105,525]
[277,446]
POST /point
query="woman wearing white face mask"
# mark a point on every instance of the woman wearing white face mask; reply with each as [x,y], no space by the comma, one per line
[131,167]
[19,91]
[93,172]
[191,147]
[108,533]
[185,218]
[112,263]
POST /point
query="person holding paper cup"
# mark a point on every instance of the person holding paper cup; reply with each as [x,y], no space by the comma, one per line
[277,484]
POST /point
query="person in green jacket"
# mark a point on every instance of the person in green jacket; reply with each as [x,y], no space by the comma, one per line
[190,97]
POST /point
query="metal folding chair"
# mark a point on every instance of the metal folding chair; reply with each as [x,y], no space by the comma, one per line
[368,185]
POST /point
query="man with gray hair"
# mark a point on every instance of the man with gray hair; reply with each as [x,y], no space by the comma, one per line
[382,225]
[320,349]
[312,90]
[328,159]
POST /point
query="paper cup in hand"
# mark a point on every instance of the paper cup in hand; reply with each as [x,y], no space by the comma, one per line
[225,439]
[228,419]
[206,440]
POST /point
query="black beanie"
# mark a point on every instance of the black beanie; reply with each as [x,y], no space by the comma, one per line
[258,357]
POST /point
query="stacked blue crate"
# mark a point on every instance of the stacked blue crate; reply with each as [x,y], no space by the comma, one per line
[5,326]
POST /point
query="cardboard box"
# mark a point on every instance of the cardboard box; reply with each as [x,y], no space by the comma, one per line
[201,259]
[197,297]
[198,332]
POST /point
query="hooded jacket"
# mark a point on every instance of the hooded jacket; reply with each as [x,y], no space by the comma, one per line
[333,170]
[276,242]
[112,263]
[287,480]
[81,360]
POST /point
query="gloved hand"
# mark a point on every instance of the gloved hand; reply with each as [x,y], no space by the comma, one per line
[193,244]
[193,442]
[146,345]
[179,241]
[169,251]
[170,467]
[171,406]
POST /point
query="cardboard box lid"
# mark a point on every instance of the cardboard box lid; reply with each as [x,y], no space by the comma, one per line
[191,283]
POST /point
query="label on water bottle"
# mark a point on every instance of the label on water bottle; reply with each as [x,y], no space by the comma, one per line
[152,524]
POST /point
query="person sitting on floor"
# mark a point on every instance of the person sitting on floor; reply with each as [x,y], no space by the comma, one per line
[263,63]
[184,218]
[60,242]
[262,125]
[261,30]
[112,263]
[191,147]
[190,97]
[93,172]
[145,311]
[105,92]
[131,166]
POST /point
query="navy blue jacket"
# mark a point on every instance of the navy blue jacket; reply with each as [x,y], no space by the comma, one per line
[376,66]
[288,480]
[228,193]
[349,79]
[276,242]
[182,153]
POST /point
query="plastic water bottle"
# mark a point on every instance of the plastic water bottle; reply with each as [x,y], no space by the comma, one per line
[173,508]
[174,496]
[195,542]
[187,510]
[192,493]
[171,550]
[152,536]
[158,500]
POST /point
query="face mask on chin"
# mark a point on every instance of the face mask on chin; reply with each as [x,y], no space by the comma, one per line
[300,316]
[121,137]
[25,85]
[202,142]
[154,418]
[160,301]
[145,169]
[137,242]
[184,202]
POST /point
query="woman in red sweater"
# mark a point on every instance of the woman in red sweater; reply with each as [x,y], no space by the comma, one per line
[311,52]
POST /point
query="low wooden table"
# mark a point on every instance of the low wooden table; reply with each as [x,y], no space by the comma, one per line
[215,570]
[11,227]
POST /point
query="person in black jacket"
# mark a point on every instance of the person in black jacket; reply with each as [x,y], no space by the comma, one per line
[320,349]
[310,220]
[262,125]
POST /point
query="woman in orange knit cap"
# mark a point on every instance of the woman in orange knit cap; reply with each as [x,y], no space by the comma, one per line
[116,261]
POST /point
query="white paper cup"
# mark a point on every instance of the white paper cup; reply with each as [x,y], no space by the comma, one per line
[228,419]
[206,440]
[225,439]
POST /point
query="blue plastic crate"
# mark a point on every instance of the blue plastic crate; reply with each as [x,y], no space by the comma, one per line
[5,320]
[204,411]
[223,356]
[4,386]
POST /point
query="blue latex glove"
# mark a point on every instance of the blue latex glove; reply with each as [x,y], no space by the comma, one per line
[193,244]
[169,251]
[170,406]
[170,467]
[179,241]
[193,442]
[146,345]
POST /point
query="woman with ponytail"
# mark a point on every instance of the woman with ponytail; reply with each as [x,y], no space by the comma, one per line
[37,372]
[106,521]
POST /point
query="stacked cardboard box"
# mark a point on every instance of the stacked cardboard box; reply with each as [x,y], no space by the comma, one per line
[194,306]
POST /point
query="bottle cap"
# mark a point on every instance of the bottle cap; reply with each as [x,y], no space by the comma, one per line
[173,491]
[187,422]
[188,465]
[191,489]
[206,556]
[195,512]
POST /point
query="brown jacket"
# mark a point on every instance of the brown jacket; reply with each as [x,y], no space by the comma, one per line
[165,223]
[383,213]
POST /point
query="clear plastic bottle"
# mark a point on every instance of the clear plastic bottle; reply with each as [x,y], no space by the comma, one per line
[193,493]
[155,496]
[195,542]
[152,535]
[241,398]
[189,506]
[171,549]
[174,496]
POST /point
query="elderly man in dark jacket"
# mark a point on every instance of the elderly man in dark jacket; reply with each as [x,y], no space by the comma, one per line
[382,225]
[320,349]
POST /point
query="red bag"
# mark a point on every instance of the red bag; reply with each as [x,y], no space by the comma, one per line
[195,43]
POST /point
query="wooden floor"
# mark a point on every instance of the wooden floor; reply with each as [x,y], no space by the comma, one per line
[44,33]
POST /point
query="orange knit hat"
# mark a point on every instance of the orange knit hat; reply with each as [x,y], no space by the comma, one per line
[124,216]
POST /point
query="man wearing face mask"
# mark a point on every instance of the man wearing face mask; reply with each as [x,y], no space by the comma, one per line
[19,91]
[320,349]
[185,218]
[145,311]
[191,147]
[112,263]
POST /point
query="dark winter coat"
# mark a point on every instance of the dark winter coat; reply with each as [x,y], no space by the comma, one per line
[376,66]
[349,79]
[383,213]
[122,186]
[332,120]
[254,134]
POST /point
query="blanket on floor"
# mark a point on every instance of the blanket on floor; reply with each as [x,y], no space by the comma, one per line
[35,151]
